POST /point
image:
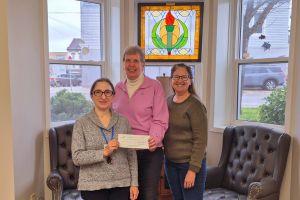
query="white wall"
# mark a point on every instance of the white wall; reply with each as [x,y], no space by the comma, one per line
[27,95]
[116,50]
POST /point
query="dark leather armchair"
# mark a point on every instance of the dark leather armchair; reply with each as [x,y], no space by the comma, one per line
[252,164]
[63,177]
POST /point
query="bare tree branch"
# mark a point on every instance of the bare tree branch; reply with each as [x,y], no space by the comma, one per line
[261,19]
[253,6]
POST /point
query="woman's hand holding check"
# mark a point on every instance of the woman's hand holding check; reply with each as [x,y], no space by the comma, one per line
[111,146]
[152,143]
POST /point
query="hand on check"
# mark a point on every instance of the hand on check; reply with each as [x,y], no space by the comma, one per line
[152,144]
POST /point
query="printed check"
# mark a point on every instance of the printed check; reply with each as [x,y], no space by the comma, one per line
[133,141]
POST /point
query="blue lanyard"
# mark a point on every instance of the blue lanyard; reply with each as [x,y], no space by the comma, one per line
[112,135]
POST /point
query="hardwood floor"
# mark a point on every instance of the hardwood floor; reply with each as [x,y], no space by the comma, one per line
[165,197]
[164,189]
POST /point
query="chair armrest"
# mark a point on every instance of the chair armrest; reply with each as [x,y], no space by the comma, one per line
[261,189]
[214,177]
[55,183]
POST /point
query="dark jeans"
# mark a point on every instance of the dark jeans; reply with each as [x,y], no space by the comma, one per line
[176,173]
[149,167]
[118,193]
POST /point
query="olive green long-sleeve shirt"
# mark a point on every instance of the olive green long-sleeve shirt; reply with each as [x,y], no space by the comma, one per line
[186,138]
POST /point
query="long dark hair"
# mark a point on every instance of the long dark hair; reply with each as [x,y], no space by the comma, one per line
[102,80]
[191,88]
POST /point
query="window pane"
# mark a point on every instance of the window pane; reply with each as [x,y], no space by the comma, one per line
[155,71]
[69,95]
[265,31]
[262,92]
[74,30]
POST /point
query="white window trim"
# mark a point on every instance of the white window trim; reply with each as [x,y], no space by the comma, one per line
[229,107]
[105,55]
[76,62]
[215,104]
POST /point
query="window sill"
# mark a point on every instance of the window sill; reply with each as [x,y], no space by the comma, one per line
[220,129]
[217,129]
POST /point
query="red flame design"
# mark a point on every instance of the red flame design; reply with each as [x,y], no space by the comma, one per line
[170,19]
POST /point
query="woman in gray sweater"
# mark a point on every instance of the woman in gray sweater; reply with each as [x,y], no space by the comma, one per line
[186,138]
[106,171]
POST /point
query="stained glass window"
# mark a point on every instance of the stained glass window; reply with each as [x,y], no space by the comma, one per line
[171,32]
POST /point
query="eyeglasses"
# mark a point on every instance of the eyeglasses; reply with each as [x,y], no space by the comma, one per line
[184,77]
[107,93]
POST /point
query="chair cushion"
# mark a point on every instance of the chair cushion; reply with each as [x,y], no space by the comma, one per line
[222,194]
[71,194]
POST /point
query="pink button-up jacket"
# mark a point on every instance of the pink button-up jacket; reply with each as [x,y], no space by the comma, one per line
[147,109]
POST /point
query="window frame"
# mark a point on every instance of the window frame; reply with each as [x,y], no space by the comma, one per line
[230,106]
[199,32]
[104,40]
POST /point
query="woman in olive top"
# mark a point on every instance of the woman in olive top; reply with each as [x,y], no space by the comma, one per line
[186,138]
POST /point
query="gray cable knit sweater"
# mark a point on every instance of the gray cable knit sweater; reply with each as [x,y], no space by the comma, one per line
[87,150]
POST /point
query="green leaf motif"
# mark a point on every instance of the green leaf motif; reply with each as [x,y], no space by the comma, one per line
[155,38]
[180,43]
[183,38]
[159,43]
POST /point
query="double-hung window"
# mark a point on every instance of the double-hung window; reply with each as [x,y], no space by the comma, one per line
[263,61]
[76,56]
[251,62]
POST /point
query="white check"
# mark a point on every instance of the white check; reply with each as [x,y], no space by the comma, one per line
[133,141]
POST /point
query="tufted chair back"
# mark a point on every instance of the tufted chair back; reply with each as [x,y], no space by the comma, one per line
[60,155]
[64,174]
[251,156]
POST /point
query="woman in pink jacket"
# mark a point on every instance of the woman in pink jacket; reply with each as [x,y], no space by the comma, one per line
[142,101]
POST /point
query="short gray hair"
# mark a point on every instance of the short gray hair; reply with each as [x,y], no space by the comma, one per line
[134,50]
